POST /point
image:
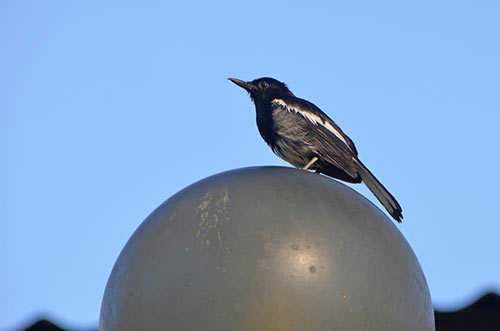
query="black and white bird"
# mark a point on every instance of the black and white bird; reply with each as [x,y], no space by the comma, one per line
[301,134]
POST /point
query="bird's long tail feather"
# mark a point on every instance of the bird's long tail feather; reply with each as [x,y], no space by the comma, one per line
[385,198]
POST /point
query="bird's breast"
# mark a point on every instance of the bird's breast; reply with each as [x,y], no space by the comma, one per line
[285,133]
[265,124]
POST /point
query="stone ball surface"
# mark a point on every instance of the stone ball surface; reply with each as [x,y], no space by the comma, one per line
[267,248]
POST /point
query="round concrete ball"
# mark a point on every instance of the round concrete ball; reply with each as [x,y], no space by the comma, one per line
[267,248]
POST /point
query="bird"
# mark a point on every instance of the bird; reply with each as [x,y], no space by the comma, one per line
[303,135]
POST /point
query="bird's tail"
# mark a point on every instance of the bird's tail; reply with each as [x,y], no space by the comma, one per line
[385,198]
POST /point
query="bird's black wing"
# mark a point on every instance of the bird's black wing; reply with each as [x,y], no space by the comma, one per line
[330,143]
[328,123]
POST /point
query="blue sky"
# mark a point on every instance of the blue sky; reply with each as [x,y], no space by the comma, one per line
[107,109]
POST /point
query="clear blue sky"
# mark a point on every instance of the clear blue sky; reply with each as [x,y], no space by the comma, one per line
[109,108]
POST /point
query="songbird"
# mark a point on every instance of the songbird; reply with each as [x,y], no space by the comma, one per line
[303,135]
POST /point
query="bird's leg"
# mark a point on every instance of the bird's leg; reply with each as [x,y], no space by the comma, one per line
[314,159]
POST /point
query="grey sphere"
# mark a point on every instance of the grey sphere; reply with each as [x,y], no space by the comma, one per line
[267,248]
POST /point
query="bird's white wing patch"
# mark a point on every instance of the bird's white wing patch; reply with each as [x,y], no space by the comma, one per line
[313,118]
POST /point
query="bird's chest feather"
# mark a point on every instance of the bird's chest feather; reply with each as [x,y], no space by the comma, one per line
[265,124]
[285,134]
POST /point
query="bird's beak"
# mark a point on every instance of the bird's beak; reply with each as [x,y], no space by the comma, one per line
[247,86]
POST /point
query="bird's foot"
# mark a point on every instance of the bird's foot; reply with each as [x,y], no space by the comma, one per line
[314,159]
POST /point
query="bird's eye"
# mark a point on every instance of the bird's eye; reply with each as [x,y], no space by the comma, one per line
[263,85]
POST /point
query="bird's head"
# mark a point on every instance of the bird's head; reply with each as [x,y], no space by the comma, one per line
[263,89]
